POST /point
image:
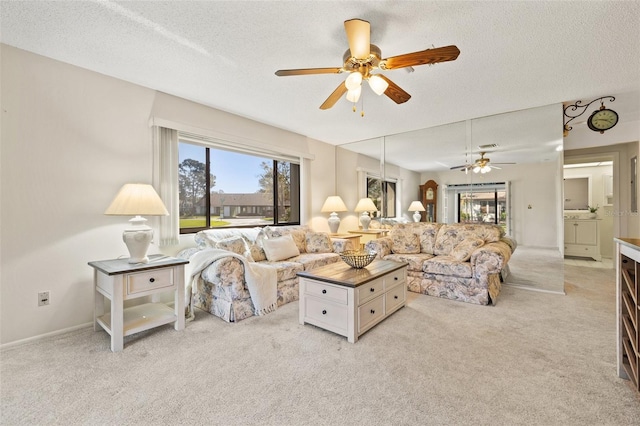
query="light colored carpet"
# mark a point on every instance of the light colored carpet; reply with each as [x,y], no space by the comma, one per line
[538,269]
[533,359]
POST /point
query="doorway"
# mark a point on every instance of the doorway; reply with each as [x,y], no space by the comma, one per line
[601,172]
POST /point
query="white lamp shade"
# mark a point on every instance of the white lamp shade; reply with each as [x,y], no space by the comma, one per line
[354,94]
[353,81]
[333,204]
[416,206]
[378,84]
[137,199]
[365,205]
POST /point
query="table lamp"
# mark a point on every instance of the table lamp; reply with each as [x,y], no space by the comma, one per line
[333,204]
[136,199]
[365,205]
[416,206]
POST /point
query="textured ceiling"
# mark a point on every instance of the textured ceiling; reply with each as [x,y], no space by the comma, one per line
[514,55]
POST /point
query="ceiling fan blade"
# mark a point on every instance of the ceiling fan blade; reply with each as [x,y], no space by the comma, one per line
[394,91]
[307,71]
[333,98]
[503,163]
[423,57]
[359,37]
[459,167]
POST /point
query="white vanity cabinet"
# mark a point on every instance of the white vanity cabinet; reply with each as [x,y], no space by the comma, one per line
[582,238]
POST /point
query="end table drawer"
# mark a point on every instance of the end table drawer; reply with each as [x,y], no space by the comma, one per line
[151,280]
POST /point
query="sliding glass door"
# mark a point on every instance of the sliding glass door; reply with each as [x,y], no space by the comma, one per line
[479,203]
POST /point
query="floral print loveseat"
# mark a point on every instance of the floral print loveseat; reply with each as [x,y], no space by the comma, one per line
[221,288]
[455,261]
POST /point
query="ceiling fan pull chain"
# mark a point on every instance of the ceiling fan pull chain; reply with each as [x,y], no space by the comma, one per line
[362,107]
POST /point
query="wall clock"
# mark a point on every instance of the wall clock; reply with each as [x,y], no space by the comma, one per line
[602,119]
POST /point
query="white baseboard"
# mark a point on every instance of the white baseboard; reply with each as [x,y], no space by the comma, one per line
[42,336]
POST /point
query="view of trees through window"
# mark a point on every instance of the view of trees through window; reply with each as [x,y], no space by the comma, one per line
[486,207]
[379,190]
[219,188]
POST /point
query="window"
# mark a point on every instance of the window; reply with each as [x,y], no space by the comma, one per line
[225,188]
[479,203]
[379,190]
[485,207]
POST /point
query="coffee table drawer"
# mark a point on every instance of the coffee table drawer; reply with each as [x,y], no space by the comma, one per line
[327,291]
[324,312]
[395,277]
[370,290]
[395,297]
[370,313]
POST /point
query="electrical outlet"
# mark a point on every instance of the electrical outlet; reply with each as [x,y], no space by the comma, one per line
[43,298]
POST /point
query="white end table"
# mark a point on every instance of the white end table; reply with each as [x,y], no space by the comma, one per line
[118,280]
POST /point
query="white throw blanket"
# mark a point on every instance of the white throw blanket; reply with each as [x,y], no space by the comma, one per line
[261,280]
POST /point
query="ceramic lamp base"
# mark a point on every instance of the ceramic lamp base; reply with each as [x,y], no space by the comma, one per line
[365,220]
[138,238]
[334,222]
[417,216]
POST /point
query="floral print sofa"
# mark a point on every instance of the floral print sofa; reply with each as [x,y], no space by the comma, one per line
[455,261]
[221,287]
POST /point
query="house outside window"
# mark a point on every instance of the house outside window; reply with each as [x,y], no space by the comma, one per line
[225,188]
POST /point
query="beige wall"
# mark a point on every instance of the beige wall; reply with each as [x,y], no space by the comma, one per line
[532,185]
[70,139]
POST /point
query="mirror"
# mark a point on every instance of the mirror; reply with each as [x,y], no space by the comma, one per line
[530,138]
[576,193]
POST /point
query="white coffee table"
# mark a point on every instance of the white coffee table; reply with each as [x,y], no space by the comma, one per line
[350,301]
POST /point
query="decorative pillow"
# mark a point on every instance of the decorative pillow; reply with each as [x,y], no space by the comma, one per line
[405,241]
[297,233]
[257,253]
[280,248]
[318,242]
[202,241]
[256,248]
[210,237]
[463,250]
[237,245]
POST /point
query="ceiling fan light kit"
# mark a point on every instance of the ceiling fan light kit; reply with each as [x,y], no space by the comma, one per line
[481,165]
[354,94]
[363,59]
[354,81]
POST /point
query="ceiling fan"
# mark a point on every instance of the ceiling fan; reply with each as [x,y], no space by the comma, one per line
[363,62]
[481,165]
